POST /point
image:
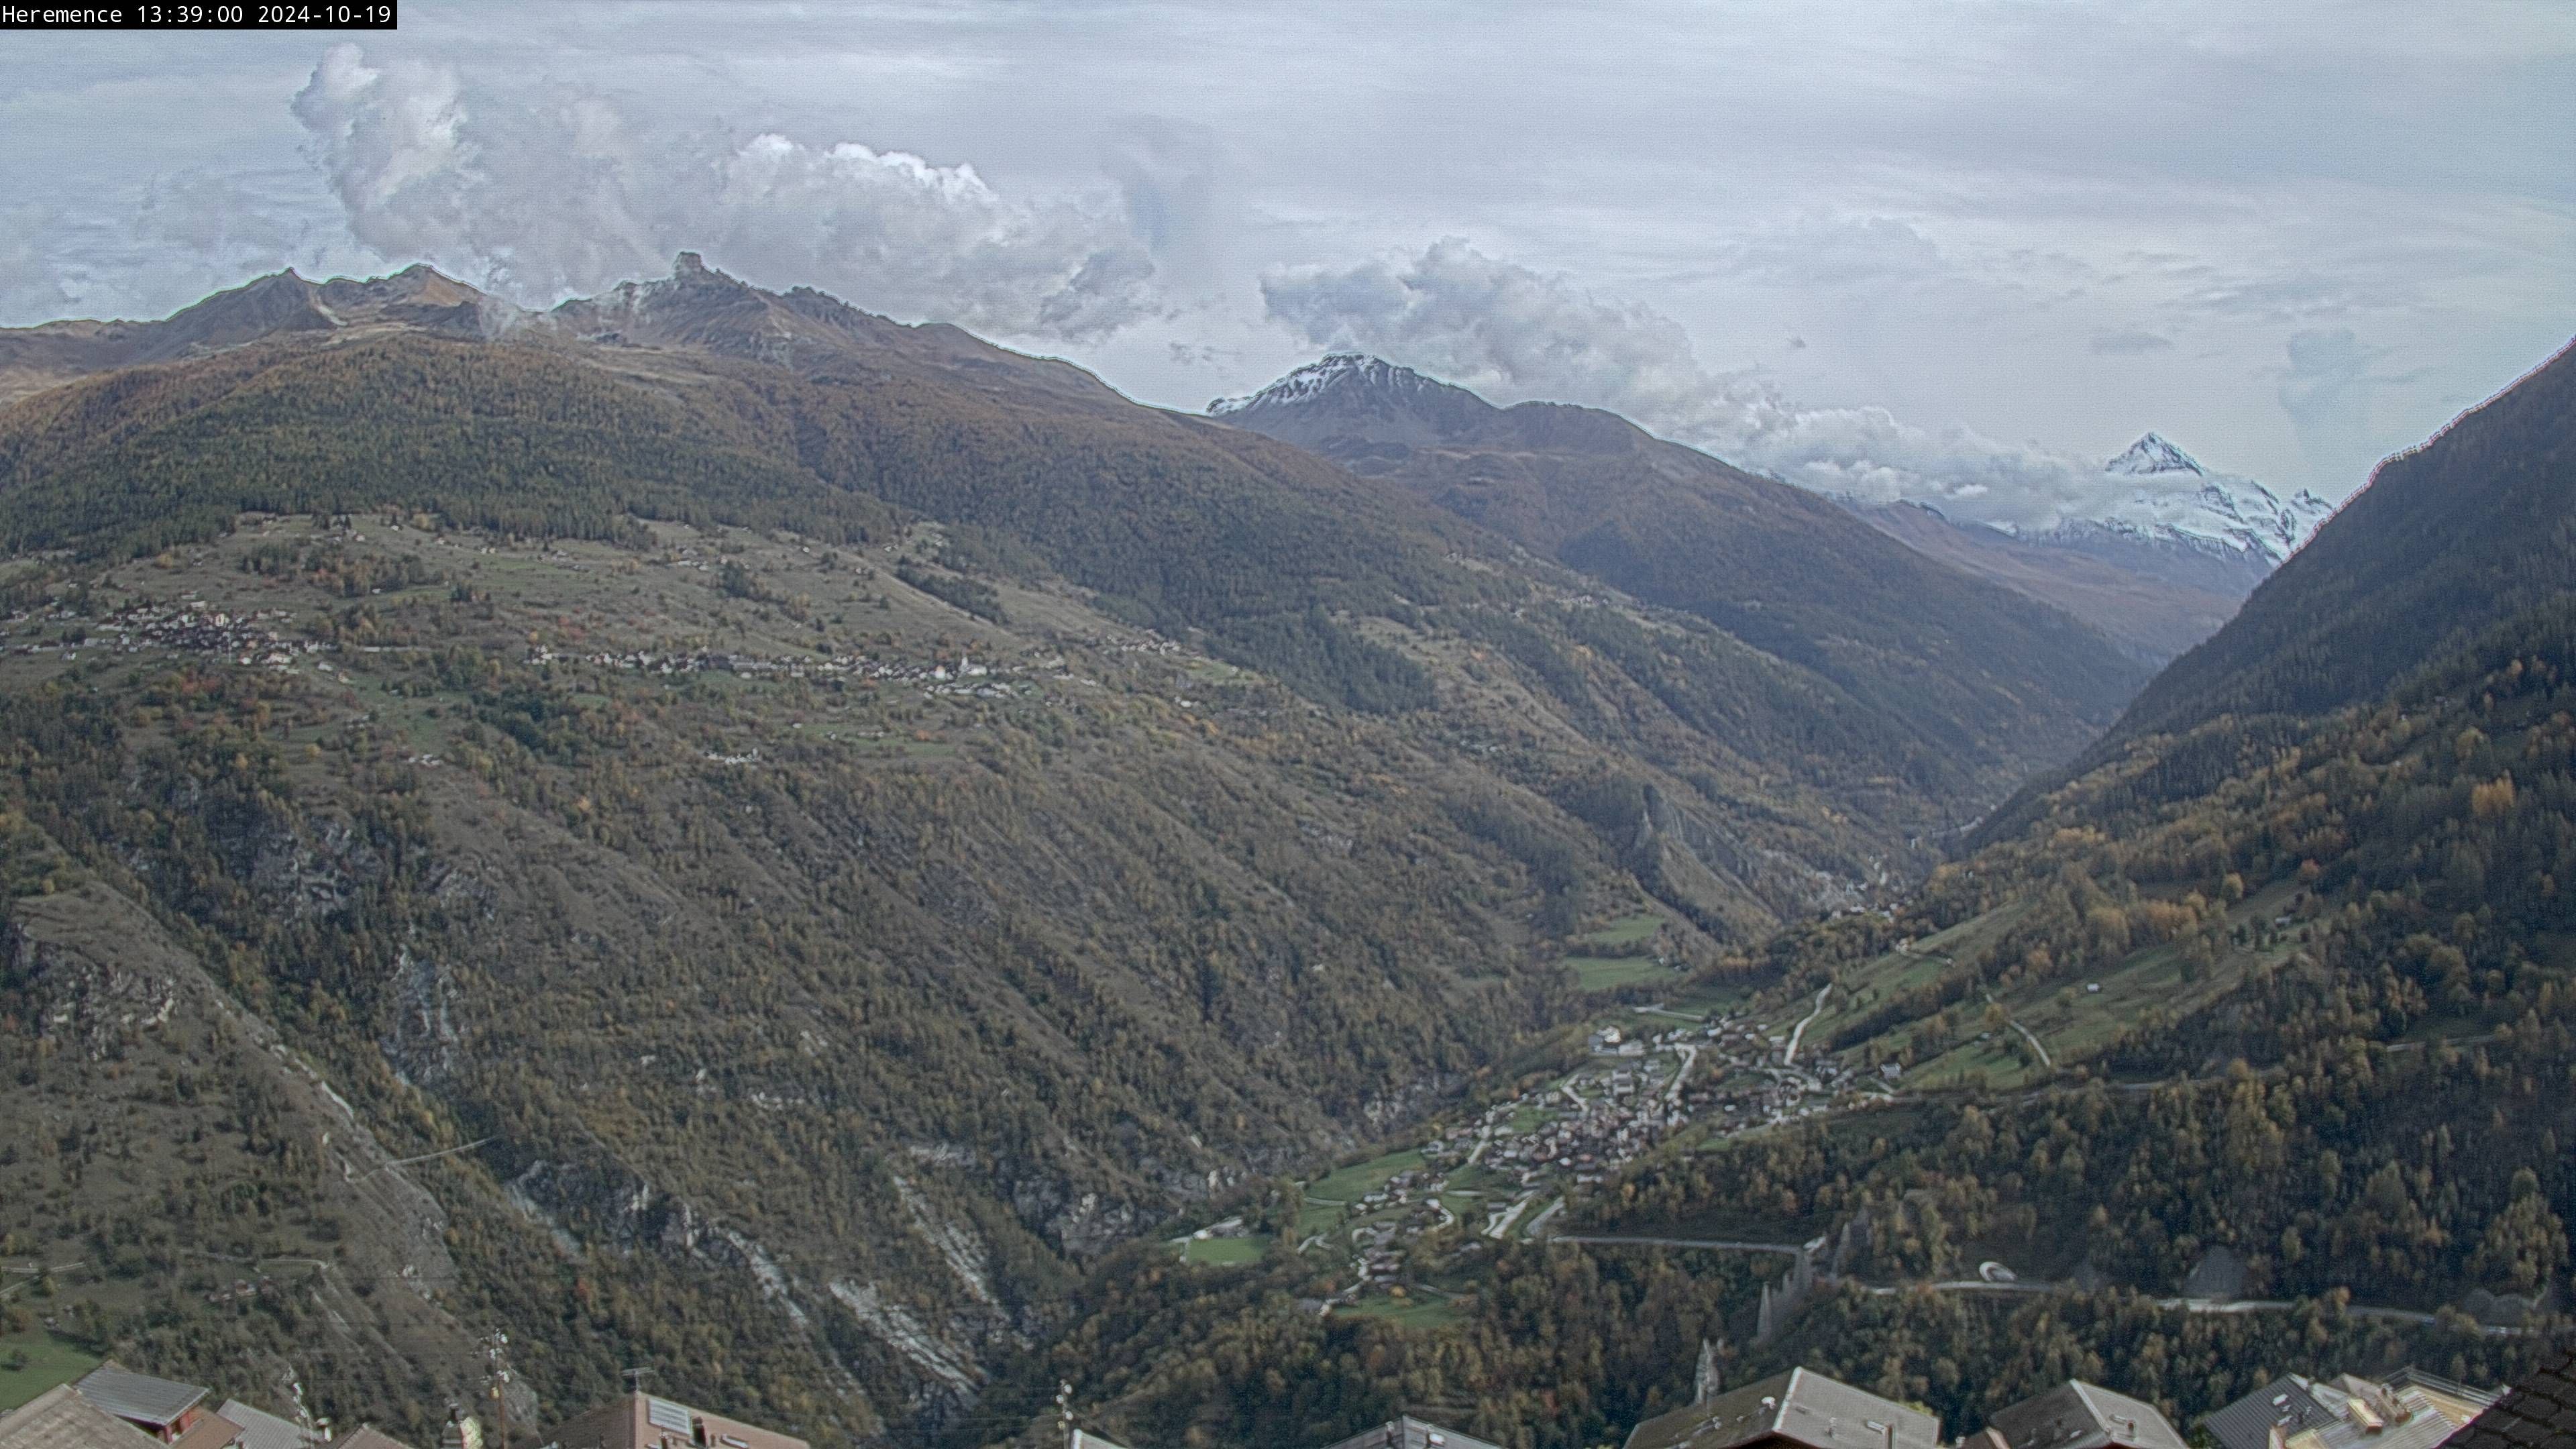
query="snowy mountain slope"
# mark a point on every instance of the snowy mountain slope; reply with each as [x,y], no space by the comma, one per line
[2156,492]
[2156,553]
[1337,370]
[1347,394]
[2155,550]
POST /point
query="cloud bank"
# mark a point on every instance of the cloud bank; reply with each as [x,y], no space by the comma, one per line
[1514,332]
[29,284]
[549,195]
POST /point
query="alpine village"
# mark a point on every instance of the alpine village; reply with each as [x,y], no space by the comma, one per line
[701,868]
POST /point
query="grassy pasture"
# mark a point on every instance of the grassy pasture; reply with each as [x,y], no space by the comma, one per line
[1632,930]
[49,1361]
[1350,1184]
[1410,1311]
[1224,1252]
[1609,973]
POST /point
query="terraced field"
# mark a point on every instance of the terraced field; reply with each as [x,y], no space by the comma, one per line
[2073,1021]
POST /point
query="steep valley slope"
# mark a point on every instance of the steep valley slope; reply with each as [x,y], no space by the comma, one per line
[2153,614]
[1988,678]
[713,828]
[2243,1050]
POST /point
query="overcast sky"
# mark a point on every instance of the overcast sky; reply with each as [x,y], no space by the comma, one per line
[1952,250]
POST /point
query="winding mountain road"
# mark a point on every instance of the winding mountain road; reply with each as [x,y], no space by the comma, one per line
[1789,1053]
[1979,1285]
[1721,1244]
[2015,1023]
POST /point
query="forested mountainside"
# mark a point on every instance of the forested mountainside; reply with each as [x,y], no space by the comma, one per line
[2325,1083]
[710,826]
[2250,1053]
[2450,537]
[1989,676]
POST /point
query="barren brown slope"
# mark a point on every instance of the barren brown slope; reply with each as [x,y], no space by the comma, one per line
[35,358]
[2151,618]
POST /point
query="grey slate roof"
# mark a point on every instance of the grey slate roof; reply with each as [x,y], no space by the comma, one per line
[2540,1409]
[1798,1407]
[264,1430]
[1411,1433]
[2413,1410]
[2247,1423]
[59,1418]
[139,1398]
[2078,1415]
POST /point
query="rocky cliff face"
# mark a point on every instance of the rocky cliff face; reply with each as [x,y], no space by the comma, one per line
[151,1098]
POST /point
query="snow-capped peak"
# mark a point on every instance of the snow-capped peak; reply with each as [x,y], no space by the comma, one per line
[2159,492]
[1334,372]
[2154,453]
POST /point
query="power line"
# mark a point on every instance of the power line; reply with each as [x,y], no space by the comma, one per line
[424,1157]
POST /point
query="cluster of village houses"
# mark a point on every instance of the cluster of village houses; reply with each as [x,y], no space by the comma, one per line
[1642,1084]
[115,1408]
[257,639]
[190,626]
[933,677]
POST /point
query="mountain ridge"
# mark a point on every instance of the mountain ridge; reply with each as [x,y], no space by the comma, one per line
[1780,567]
[745,790]
[32,358]
[2467,522]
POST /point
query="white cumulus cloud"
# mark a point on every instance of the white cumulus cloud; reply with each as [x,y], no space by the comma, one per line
[1514,332]
[549,194]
